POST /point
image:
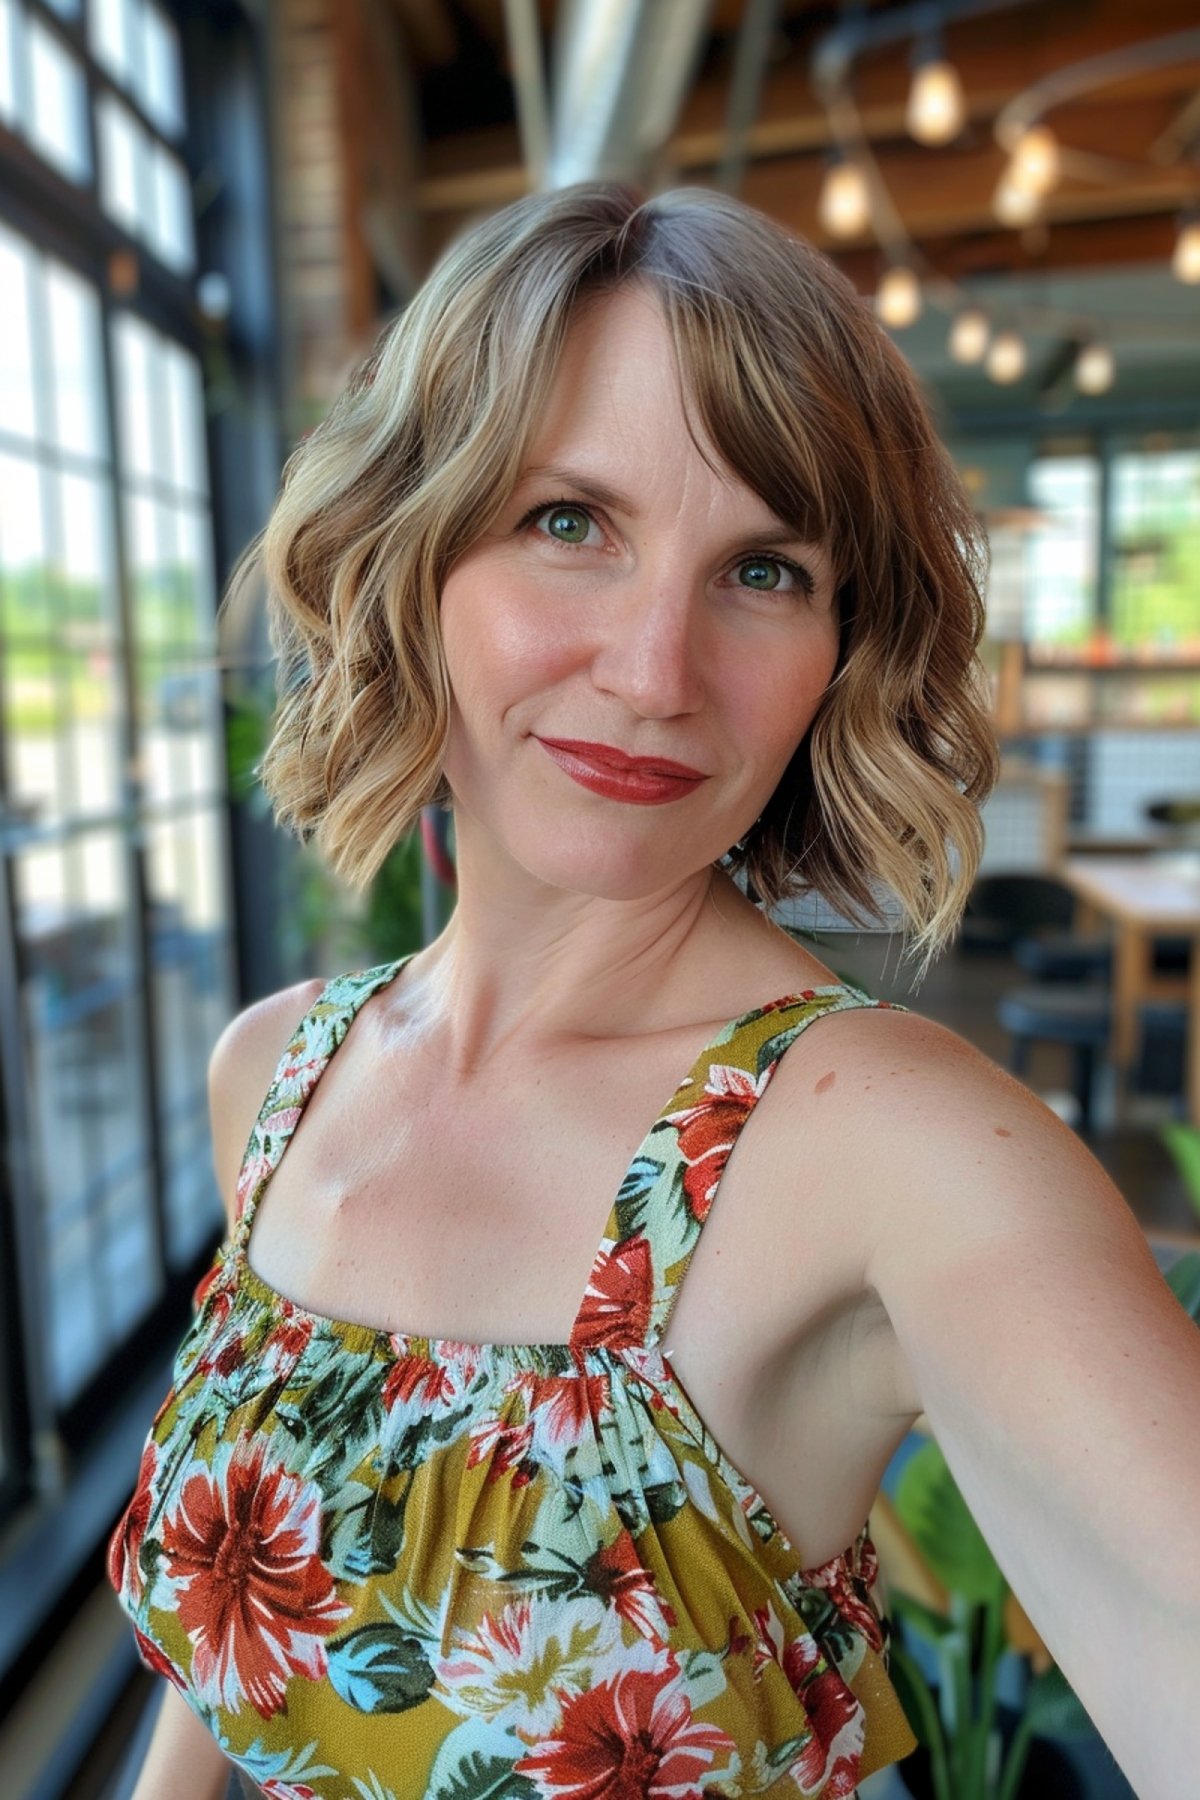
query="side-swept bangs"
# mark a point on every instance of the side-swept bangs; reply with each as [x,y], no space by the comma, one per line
[788,381]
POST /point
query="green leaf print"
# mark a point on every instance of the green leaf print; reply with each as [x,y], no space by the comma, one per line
[633,1194]
[484,1778]
[380,1669]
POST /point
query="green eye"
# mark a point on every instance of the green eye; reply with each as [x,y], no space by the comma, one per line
[760,572]
[568,524]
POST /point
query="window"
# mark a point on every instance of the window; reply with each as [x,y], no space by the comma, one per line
[113,835]
[1156,551]
[1063,552]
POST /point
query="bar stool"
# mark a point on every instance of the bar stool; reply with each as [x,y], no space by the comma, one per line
[1061,1014]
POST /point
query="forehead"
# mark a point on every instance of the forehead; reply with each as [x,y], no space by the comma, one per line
[617,353]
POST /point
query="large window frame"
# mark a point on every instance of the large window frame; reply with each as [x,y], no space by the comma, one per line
[44,1439]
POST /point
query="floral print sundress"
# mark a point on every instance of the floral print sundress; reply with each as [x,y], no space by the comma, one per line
[388,1567]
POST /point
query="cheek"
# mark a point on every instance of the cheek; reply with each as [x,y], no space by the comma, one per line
[499,647]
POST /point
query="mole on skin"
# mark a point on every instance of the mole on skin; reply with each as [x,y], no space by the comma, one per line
[826,1081]
[1001,1131]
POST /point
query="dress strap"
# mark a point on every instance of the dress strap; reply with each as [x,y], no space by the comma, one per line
[669,1187]
[305,1058]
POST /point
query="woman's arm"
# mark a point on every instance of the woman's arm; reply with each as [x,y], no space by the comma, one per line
[1056,1369]
[183,1760]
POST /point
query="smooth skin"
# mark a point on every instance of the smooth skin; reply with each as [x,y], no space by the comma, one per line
[902,1229]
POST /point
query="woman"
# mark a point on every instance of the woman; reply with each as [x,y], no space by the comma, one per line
[633,543]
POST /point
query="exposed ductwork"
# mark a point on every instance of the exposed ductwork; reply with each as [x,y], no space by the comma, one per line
[621,70]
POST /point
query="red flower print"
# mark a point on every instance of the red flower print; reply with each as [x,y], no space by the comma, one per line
[419,1378]
[287,1790]
[829,1760]
[255,1169]
[616,1575]
[561,1408]
[287,1342]
[155,1661]
[631,1738]
[708,1130]
[508,1447]
[846,1587]
[616,1306]
[242,1545]
[200,1292]
[124,1570]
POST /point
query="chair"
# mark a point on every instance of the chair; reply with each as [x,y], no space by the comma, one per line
[1029,917]
[1063,1014]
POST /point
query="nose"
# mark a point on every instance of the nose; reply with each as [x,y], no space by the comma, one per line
[651,653]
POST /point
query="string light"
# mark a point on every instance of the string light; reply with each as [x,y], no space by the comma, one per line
[844,205]
[898,300]
[969,335]
[1185,263]
[1034,165]
[1095,369]
[936,109]
[1006,358]
[1014,205]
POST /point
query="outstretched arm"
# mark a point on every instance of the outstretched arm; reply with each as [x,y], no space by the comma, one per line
[1056,1369]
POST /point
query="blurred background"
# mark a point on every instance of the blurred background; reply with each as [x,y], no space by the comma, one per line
[206,213]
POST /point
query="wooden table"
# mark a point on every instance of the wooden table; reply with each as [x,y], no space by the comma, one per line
[1143,897]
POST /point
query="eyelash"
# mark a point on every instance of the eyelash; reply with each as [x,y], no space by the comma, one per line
[804,579]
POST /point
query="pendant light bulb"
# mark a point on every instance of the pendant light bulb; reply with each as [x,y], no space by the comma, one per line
[1185,262]
[1006,358]
[1034,164]
[1095,369]
[1015,205]
[969,335]
[936,109]
[844,205]
[898,300]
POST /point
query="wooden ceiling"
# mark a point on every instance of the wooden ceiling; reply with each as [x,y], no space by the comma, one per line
[468,157]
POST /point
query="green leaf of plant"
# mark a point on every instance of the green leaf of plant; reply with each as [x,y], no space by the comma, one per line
[1183,1279]
[929,1624]
[1183,1141]
[1054,1708]
[930,1505]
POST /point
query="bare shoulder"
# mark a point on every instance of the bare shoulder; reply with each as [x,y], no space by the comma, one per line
[240,1070]
[962,1173]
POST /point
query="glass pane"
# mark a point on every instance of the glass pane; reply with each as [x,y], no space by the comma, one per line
[193,1002]
[57,125]
[1156,552]
[169,229]
[122,154]
[161,85]
[188,461]
[67,9]
[9,24]
[73,315]
[127,1259]
[16,350]
[29,694]
[133,349]
[109,33]
[88,644]
[62,1095]
[1062,560]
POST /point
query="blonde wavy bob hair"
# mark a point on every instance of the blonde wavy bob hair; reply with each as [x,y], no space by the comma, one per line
[788,379]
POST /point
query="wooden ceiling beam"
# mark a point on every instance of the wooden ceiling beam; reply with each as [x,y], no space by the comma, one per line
[1071,244]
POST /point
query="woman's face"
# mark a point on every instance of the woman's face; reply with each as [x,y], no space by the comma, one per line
[631,601]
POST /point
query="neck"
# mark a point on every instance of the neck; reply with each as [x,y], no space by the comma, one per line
[523,964]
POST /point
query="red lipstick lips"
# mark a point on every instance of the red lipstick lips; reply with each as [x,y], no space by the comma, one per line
[638,780]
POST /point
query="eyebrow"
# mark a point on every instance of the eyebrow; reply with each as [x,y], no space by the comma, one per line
[778,533]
